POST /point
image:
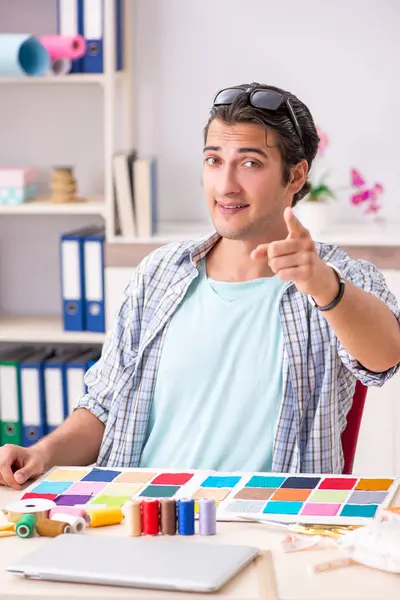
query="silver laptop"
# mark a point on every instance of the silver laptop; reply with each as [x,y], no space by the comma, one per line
[167,563]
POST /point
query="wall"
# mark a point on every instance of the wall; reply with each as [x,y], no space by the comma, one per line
[339,57]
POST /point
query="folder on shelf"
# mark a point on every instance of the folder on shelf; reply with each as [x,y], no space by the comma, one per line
[55,386]
[145,195]
[93,255]
[123,185]
[93,31]
[70,23]
[10,395]
[75,373]
[33,404]
[72,279]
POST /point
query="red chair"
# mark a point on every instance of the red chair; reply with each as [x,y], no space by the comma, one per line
[350,434]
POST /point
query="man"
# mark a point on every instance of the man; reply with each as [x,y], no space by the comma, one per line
[241,350]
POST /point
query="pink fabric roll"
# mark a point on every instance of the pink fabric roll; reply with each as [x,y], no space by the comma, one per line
[70,510]
[64,46]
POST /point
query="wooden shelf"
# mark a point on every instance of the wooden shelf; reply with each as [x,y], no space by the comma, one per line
[43,330]
[78,79]
[169,232]
[43,207]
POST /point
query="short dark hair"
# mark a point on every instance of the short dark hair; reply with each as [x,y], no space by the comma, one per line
[291,148]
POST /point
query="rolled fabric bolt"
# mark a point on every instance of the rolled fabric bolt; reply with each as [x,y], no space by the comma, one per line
[78,524]
[133,517]
[105,516]
[49,528]
[150,516]
[26,526]
[61,66]
[22,55]
[168,516]
[71,510]
[64,46]
[207,516]
[186,516]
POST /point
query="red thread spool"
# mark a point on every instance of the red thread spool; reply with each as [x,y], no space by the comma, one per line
[150,517]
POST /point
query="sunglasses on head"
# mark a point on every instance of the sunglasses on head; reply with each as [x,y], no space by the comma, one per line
[259,98]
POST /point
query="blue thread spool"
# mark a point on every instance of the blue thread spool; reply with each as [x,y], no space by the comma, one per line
[186,516]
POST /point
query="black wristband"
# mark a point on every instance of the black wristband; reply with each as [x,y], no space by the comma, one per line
[336,300]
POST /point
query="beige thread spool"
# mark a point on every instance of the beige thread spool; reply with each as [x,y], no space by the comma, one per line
[49,528]
[133,517]
[78,524]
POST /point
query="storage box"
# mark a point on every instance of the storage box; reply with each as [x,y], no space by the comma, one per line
[17,184]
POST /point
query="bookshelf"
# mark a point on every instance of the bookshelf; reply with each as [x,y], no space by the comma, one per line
[73,79]
[25,329]
[115,94]
[42,207]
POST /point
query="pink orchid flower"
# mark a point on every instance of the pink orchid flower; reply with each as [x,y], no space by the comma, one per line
[323,141]
[362,195]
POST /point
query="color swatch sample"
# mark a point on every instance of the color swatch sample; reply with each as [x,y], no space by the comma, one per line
[309,498]
[113,487]
[288,498]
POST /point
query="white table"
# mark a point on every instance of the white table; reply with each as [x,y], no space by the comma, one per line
[294,578]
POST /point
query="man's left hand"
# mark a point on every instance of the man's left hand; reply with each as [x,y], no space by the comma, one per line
[296,259]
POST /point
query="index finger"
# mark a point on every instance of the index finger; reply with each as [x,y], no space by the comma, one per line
[295,228]
[7,476]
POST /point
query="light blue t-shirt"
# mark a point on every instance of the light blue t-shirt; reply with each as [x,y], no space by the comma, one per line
[218,390]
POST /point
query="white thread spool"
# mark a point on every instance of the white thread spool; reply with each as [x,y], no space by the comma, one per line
[78,524]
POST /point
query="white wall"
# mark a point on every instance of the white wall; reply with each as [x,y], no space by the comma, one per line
[340,58]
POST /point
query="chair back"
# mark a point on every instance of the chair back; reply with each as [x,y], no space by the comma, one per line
[350,434]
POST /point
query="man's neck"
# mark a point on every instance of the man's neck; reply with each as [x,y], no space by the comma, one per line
[229,260]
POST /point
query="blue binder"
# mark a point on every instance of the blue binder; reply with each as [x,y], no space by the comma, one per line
[33,404]
[93,27]
[55,386]
[75,373]
[93,256]
[70,23]
[72,279]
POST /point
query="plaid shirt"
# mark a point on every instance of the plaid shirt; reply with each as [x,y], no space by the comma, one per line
[319,375]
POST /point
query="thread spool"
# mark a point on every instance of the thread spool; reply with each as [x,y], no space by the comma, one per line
[26,526]
[133,517]
[186,516]
[101,517]
[78,524]
[39,507]
[70,510]
[150,516]
[207,516]
[168,516]
[49,528]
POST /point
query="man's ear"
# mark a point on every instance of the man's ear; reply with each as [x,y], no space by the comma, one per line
[298,176]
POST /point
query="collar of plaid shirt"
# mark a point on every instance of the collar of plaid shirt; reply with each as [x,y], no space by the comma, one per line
[318,374]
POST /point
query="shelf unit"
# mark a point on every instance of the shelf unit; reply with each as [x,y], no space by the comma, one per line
[43,330]
[112,84]
[43,207]
[73,79]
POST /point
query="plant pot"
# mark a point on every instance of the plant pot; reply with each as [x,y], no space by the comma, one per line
[315,216]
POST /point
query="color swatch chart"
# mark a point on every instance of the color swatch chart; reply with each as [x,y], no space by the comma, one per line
[71,486]
[301,498]
[327,499]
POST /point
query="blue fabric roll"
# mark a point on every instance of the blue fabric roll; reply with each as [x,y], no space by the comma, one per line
[22,55]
